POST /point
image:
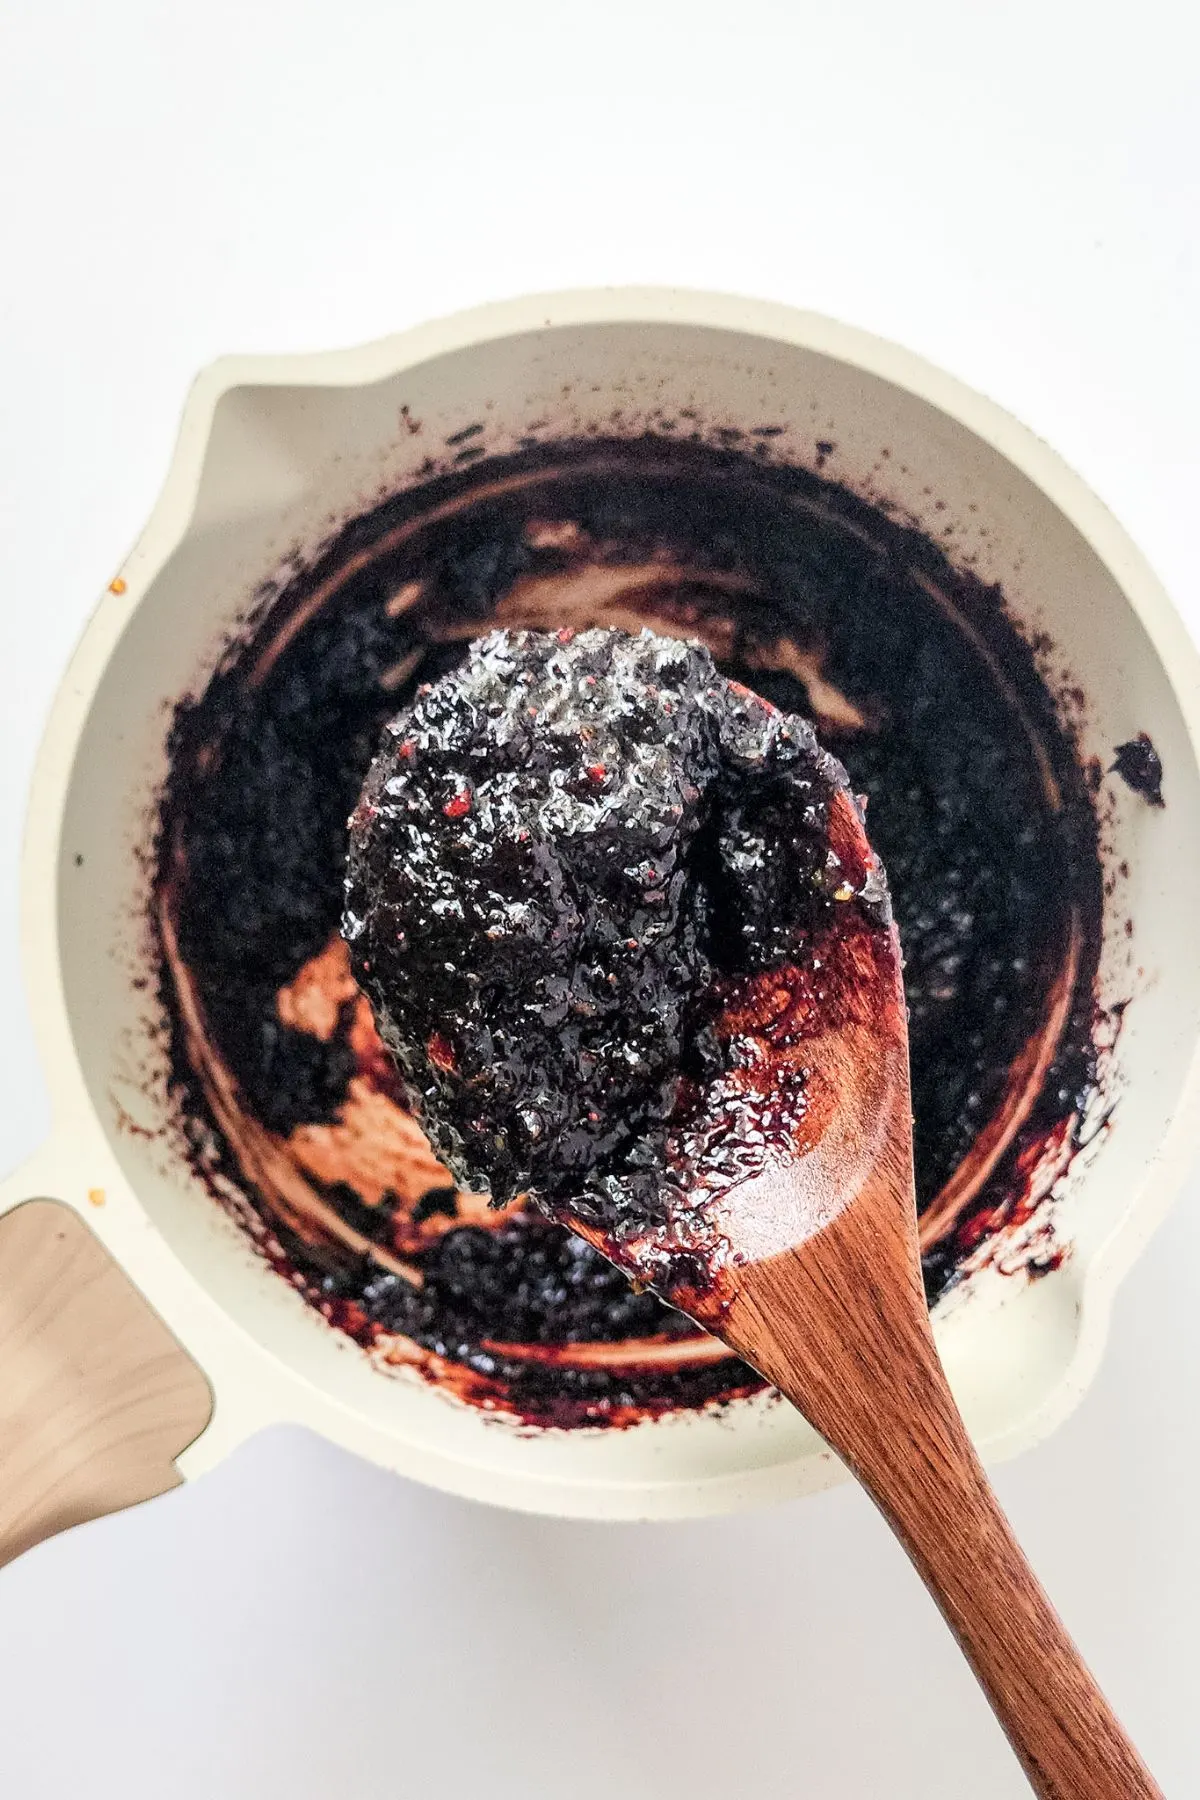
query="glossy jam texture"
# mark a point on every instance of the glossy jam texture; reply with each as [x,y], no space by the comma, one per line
[557,848]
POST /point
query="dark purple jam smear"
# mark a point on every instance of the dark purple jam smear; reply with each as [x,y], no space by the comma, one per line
[1140,768]
[945,729]
[557,848]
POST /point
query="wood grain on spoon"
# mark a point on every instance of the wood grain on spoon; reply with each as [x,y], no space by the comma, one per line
[818,1286]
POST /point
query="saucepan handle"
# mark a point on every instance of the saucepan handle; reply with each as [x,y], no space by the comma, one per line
[97,1399]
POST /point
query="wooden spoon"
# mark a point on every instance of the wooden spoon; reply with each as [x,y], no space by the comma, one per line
[809,1268]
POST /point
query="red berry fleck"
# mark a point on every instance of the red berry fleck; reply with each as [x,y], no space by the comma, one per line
[458,805]
[597,772]
[440,1054]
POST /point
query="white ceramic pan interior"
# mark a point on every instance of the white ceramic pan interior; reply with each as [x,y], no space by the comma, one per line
[273,453]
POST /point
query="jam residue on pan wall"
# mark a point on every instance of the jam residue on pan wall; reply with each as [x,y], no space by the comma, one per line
[1140,767]
[913,677]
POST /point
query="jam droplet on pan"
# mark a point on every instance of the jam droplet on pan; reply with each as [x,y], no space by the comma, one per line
[1140,768]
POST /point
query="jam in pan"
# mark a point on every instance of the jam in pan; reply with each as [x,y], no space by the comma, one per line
[914,678]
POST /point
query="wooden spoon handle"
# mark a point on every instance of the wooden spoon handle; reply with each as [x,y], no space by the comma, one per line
[898,1428]
[941,1506]
[1059,1723]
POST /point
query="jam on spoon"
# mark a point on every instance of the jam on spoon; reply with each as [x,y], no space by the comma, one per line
[569,858]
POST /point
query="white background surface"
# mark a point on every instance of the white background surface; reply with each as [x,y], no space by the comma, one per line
[1014,191]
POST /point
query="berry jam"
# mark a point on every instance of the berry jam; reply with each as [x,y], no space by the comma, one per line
[915,679]
[559,849]
[1140,768]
